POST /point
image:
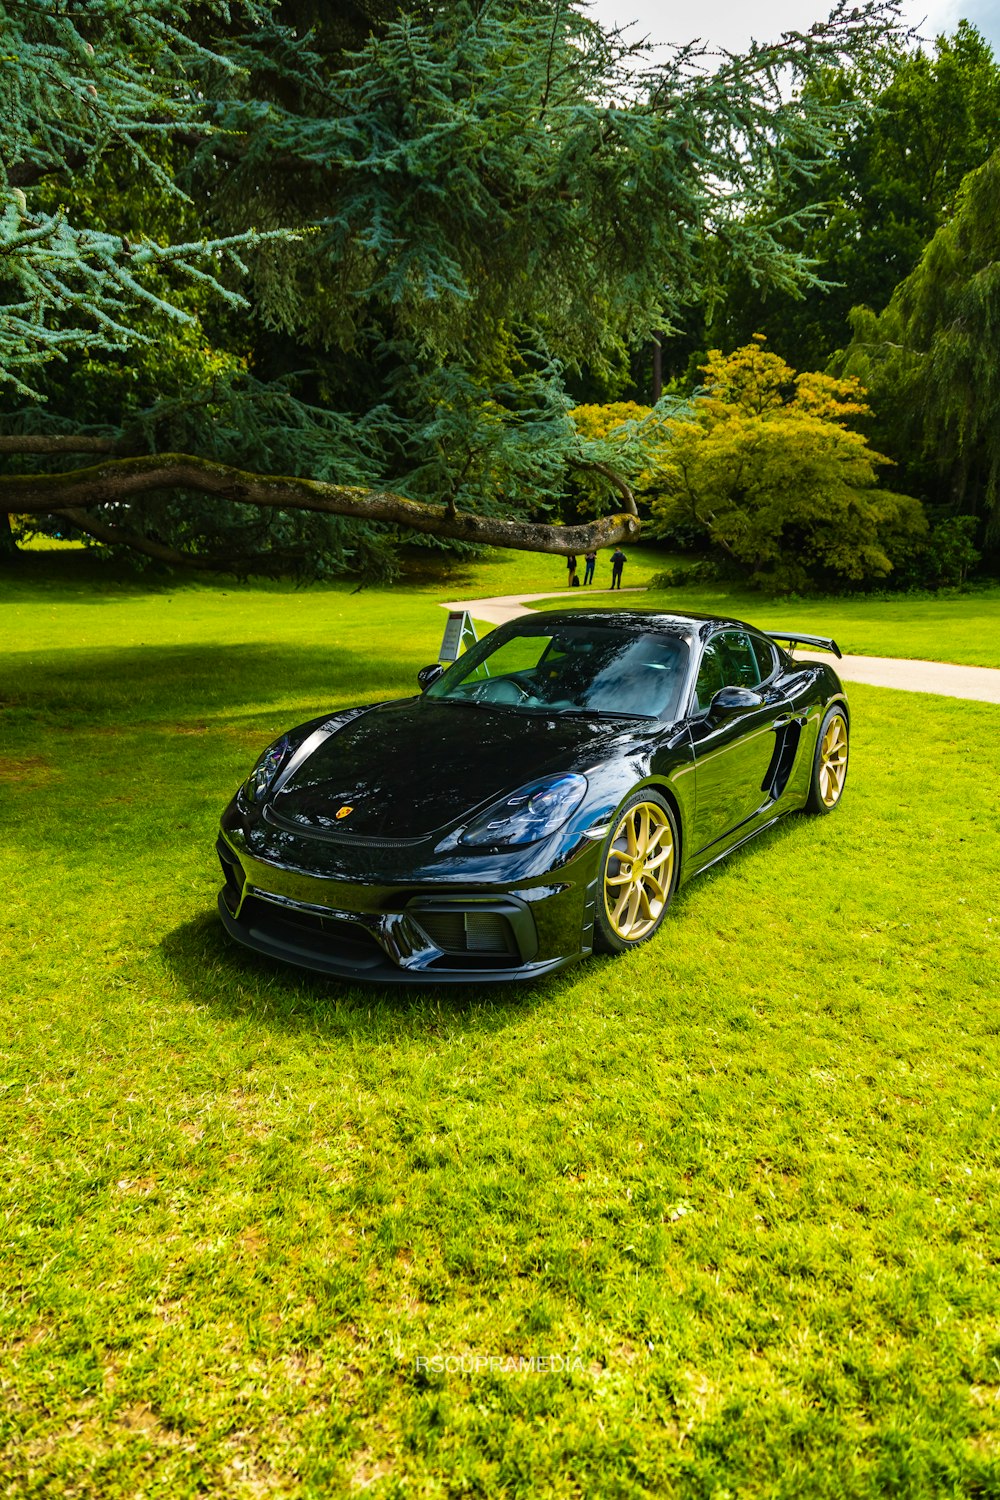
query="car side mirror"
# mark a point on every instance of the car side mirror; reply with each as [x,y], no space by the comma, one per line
[430,674]
[729,700]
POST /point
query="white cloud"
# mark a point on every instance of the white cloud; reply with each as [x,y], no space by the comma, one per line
[731,24]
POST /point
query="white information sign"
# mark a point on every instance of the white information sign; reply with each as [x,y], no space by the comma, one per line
[459,635]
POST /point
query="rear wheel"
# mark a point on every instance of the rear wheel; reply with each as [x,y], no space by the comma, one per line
[639,866]
[829,762]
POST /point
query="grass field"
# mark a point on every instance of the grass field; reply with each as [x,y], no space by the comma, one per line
[963,628]
[743,1182]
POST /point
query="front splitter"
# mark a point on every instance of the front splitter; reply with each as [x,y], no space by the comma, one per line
[378,968]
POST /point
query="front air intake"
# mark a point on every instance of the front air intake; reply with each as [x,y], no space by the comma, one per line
[485,932]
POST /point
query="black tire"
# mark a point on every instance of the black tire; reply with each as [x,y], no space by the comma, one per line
[623,922]
[830,758]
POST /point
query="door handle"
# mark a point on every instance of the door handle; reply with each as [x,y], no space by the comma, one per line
[783,720]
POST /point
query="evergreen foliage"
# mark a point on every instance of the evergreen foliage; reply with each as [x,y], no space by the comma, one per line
[495,180]
[79,82]
[932,355]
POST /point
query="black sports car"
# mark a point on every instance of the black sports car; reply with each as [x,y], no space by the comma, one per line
[541,798]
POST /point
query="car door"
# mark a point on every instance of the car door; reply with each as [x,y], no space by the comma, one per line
[734,751]
[790,696]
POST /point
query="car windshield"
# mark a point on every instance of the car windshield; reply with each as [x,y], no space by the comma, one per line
[571,669]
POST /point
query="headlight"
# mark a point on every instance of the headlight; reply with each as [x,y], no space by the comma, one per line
[527,815]
[270,763]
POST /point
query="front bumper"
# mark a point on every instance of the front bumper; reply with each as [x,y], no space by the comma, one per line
[431,932]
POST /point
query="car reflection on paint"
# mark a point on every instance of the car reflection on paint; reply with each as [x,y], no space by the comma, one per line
[542,798]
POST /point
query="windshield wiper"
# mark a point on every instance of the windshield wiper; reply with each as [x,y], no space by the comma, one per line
[599,713]
[471,703]
[542,710]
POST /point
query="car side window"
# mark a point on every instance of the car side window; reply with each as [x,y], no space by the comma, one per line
[767,657]
[710,678]
[739,664]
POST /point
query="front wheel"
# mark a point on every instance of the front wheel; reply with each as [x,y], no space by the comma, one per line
[829,762]
[639,867]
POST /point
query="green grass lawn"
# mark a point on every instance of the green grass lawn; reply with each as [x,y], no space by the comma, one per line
[744,1181]
[962,628]
[533,572]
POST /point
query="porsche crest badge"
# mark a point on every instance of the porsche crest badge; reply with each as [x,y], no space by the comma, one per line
[343,812]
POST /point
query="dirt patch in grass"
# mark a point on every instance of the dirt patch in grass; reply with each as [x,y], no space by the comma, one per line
[31,770]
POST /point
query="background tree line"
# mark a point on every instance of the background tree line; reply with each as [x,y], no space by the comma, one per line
[905,232]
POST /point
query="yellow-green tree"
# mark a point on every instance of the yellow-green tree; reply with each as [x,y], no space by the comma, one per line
[769,470]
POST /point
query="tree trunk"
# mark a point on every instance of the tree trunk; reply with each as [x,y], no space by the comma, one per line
[9,553]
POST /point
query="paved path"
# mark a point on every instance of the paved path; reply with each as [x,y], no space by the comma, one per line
[979,683]
[504,607]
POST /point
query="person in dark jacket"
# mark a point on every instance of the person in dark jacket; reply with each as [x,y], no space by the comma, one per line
[571,577]
[588,573]
[618,561]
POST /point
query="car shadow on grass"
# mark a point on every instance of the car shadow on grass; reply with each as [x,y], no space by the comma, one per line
[230,981]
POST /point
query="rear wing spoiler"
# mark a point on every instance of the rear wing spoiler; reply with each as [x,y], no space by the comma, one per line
[795,638]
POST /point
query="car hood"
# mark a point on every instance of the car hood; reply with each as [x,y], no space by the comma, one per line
[408,769]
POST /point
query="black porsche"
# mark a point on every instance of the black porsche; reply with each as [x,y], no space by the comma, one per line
[541,798]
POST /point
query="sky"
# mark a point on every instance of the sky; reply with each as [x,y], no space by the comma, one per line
[731,23]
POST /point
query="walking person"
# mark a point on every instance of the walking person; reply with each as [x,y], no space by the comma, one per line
[588,573]
[571,577]
[618,561]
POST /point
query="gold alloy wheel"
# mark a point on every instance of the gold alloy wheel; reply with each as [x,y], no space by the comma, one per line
[639,871]
[833,761]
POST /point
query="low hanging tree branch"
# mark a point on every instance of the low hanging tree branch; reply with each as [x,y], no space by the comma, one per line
[69,494]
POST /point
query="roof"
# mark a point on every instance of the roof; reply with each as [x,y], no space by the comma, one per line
[688,623]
